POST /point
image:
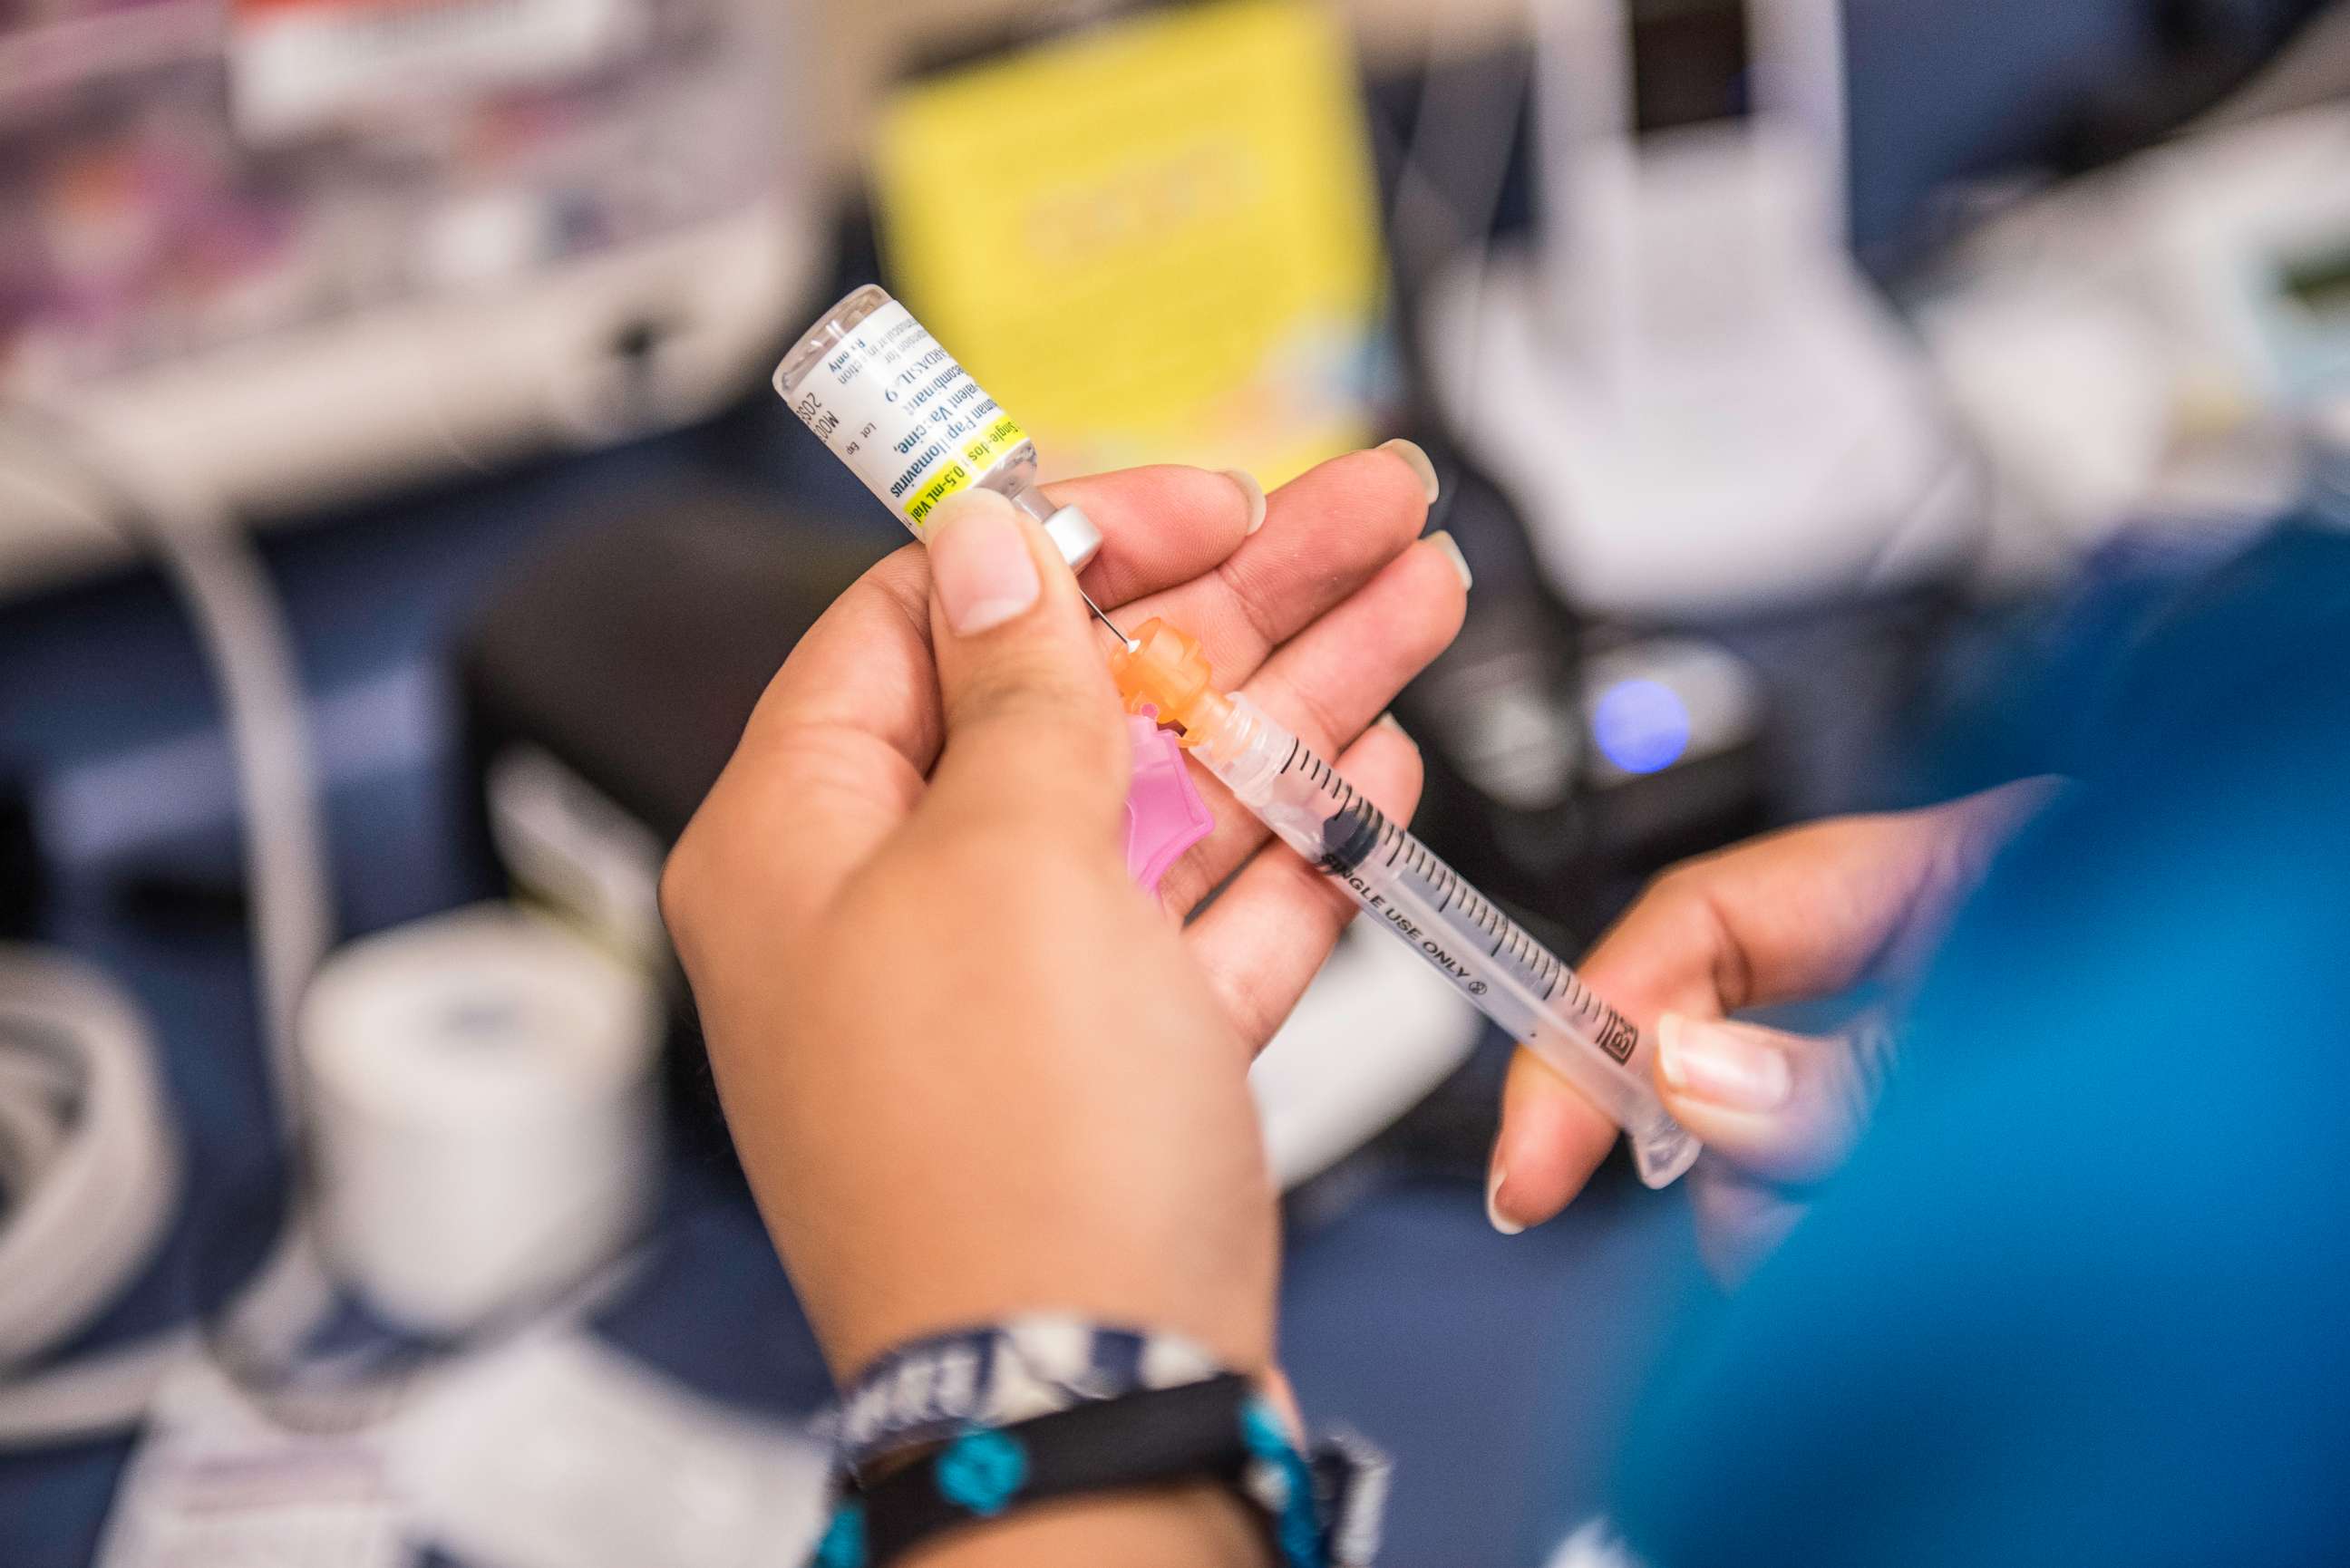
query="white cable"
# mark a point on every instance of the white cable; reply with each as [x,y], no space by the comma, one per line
[95,1168]
[192,536]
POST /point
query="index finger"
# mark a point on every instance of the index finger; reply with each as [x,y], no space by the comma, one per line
[1160,525]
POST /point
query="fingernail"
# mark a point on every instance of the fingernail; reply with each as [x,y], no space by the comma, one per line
[1727,1063]
[1254,493]
[1444,540]
[1493,1204]
[1390,722]
[1409,450]
[979,561]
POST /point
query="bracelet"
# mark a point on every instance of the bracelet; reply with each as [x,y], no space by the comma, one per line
[1317,1511]
[966,1427]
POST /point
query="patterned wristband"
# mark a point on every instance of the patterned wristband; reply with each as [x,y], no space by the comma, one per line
[999,1374]
[1318,1511]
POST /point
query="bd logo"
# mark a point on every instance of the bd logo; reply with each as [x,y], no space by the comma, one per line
[1617,1036]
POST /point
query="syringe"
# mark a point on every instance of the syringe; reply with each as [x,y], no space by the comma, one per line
[1489,958]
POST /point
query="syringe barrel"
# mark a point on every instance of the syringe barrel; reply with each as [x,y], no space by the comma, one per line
[1489,958]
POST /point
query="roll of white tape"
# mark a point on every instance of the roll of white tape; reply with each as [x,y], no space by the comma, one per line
[486,1113]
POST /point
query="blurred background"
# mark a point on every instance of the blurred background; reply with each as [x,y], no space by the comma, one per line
[396,527]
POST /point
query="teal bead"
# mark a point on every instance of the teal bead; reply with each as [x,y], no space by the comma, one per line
[843,1545]
[983,1472]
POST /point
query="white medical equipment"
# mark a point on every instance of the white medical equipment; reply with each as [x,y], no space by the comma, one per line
[1693,396]
[89,1160]
[2167,340]
[405,242]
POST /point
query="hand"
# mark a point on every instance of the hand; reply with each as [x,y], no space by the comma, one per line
[1800,914]
[971,1069]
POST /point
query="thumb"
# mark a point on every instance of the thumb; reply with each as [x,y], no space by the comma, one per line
[1033,730]
[1778,1106]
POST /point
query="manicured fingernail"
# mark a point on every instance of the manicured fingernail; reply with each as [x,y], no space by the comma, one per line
[1409,450]
[1493,1204]
[1252,492]
[1444,540]
[979,561]
[1731,1065]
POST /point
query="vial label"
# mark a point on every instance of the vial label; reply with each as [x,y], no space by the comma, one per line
[903,415]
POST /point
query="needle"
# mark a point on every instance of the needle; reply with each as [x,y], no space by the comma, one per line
[1105,620]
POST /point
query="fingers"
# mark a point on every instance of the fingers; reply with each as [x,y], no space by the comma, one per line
[1262,942]
[1802,913]
[1552,1139]
[1785,1107]
[832,761]
[1326,533]
[1772,1106]
[1662,954]
[1327,684]
[1162,526]
[1674,951]
[1033,733]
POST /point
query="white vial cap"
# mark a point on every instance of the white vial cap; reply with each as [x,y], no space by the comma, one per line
[1079,540]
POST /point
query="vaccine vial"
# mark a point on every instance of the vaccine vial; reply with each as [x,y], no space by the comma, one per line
[908,420]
